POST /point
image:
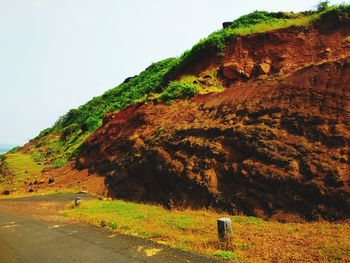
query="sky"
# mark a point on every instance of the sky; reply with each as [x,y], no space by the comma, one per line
[58,54]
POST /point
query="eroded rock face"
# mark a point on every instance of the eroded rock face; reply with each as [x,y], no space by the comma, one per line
[270,147]
[261,148]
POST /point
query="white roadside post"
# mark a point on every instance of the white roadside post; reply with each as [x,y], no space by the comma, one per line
[225,230]
[77,201]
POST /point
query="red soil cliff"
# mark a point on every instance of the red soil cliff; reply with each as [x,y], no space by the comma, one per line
[274,143]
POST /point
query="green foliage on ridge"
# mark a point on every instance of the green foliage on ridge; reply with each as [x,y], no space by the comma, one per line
[88,117]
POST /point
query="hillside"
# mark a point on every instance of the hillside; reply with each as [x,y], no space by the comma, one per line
[252,120]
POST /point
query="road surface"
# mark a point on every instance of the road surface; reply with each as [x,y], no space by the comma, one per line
[31,233]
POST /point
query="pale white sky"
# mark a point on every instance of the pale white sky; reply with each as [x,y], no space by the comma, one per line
[57,54]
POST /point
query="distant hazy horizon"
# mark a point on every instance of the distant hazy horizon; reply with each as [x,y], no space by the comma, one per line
[57,55]
[4,148]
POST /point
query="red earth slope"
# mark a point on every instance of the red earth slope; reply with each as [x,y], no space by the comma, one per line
[275,143]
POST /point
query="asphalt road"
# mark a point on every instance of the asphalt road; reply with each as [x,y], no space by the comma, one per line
[33,239]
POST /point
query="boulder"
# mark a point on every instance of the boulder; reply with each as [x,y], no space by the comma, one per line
[226,24]
[232,70]
[264,68]
[248,69]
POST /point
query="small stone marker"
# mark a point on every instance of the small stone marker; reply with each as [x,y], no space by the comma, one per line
[225,229]
[77,201]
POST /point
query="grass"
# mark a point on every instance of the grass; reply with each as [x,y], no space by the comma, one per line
[226,255]
[60,162]
[189,85]
[21,163]
[255,240]
[21,167]
[42,192]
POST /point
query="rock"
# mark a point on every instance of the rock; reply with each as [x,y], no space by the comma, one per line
[51,180]
[226,24]
[264,68]
[232,70]
[248,69]
[6,192]
[30,190]
[211,180]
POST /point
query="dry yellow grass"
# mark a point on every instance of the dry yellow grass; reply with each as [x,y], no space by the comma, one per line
[255,240]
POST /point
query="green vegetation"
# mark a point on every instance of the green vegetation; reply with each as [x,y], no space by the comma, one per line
[178,90]
[37,156]
[163,81]
[70,131]
[226,255]
[59,162]
[263,17]
[189,85]
[20,167]
[322,6]
[88,117]
[255,240]
[44,132]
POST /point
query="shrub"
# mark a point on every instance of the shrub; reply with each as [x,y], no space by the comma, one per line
[37,156]
[69,130]
[322,6]
[176,90]
[258,17]
[91,123]
[60,162]
[44,132]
